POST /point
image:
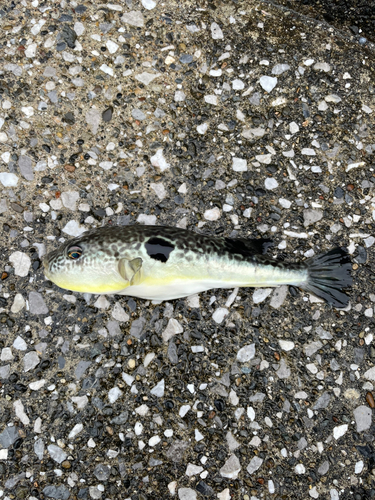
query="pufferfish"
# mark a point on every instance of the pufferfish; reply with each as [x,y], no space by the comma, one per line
[165,263]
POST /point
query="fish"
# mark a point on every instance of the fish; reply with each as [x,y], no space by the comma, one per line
[165,263]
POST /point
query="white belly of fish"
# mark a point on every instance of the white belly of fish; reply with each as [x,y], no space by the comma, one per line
[174,290]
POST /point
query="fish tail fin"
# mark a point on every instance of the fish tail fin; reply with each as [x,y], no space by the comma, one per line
[327,275]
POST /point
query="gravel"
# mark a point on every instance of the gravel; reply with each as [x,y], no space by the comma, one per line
[239,121]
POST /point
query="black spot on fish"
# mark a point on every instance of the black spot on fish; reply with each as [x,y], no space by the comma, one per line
[159,249]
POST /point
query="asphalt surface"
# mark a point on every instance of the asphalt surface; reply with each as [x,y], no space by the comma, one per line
[240,119]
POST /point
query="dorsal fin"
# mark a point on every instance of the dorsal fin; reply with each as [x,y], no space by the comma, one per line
[245,247]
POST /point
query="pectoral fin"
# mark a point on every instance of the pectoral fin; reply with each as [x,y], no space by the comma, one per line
[131,270]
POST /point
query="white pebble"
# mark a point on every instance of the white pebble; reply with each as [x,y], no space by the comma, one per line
[268,83]
[21,263]
[7,179]
[216,32]
[286,345]
[112,46]
[73,228]
[18,303]
[238,84]
[202,129]
[299,469]
[20,344]
[212,214]
[75,431]
[220,314]
[261,294]
[271,183]
[211,99]
[246,353]
[114,394]
[154,441]
[239,164]
[339,431]
[149,220]
[158,390]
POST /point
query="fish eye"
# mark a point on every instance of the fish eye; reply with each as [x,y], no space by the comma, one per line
[75,252]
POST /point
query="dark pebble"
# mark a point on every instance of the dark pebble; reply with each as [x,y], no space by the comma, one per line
[107,114]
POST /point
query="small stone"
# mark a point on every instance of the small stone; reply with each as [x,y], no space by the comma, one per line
[25,166]
[20,412]
[278,69]
[73,228]
[284,370]
[322,67]
[202,129]
[102,472]
[339,431]
[299,469]
[119,314]
[146,78]
[6,354]
[158,160]
[286,345]
[246,353]
[212,214]
[137,327]
[216,32]
[180,96]
[39,448]
[261,294]
[134,18]
[322,402]
[173,328]
[370,374]
[220,314]
[323,469]
[268,83]
[93,119]
[75,431]
[137,114]
[21,263]
[278,297]
[56,453]
[363,418]
[231,468]
[18,304]
[8,180]
[159,190]
[311,216]
[271,183]
[149,220]
[30,361]
[20,344]
[114,394]
[370,400]
[69,199]
[254,465]
[37,304]
[158,390]
[239,164]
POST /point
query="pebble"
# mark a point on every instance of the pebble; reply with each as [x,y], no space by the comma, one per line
[21,263]
[30,361]
[212,214]
[173,328]
[18,304]
[56,453]
[231,468]
[268,83]
[261,294]
[363,418]
[158,390]
[239,164]
[340,431]
[246,353]
[254,465]
[37,304]
[220,314]
[8,180]
[270,183]
[73,228]
[216,32]
[20,344]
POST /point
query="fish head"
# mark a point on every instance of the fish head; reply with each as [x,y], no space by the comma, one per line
[87,264]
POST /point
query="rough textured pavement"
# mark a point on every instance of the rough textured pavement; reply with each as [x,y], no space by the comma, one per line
[241,119]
